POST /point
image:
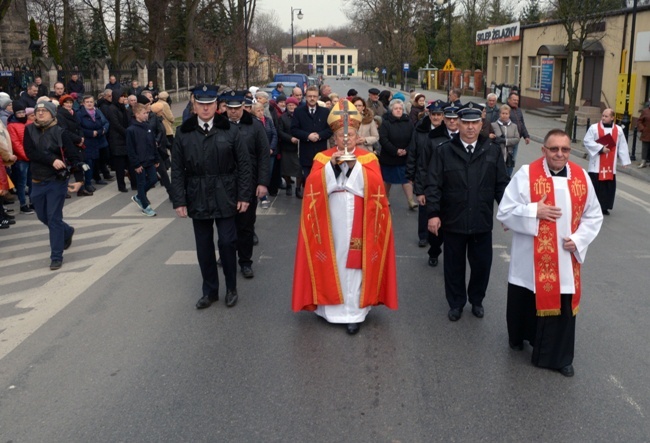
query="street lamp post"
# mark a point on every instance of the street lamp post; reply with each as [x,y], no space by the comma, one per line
[379,43]
[300,16]
[626,120]
[440,3]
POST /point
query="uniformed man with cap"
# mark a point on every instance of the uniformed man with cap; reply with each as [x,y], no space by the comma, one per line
[211,183]
[256,144]
[466,175]
[429,132]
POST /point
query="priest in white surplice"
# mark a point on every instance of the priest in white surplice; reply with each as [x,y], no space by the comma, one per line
[552,210]
[345,257]
[602,159]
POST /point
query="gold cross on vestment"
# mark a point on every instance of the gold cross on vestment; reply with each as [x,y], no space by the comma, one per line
[313,216]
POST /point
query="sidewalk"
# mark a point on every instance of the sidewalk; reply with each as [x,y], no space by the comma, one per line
[537,127]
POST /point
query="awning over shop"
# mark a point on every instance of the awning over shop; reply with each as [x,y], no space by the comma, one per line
[553,50]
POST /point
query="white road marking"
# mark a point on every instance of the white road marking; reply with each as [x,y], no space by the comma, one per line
[628,399]
[634,199]
[184,258]
[45,301]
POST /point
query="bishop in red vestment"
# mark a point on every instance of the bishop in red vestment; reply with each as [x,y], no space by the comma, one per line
[345,256]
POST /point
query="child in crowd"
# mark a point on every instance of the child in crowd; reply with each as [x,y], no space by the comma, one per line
[143,156]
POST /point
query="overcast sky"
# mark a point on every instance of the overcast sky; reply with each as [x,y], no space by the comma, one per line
[318,14]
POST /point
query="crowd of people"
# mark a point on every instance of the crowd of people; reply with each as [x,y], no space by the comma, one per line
[48,136]
[342,155]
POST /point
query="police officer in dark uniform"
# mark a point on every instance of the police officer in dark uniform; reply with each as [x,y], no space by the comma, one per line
[51,151]
[253,137]
[466,174]
[211,183]
[429,132]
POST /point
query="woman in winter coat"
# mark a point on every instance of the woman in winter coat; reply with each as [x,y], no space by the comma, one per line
[272,135]
[507,135]
[368,133]
[395,136]
[417,108]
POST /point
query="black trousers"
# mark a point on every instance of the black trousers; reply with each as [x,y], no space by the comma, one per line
[552,337]
[276,177]
[605,191]
[435,241]
[245,232]
[227,243]
[101,164]
[460,249]
[120,164]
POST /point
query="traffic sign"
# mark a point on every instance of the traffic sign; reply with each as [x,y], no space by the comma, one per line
[376,69]
[449,66]
[406,66]
[383,71]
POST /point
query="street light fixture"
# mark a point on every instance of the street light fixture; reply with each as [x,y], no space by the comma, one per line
[300,16]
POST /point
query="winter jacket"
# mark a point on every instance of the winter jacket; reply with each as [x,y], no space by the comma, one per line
[507,135]
[368,130]
[141,145]
[119,122]
[253,138]
[394,133]
[461,189]
[284,134]
[16,131]
[44,145]
[94,142]
[210,172]
[69,122]
[423,142]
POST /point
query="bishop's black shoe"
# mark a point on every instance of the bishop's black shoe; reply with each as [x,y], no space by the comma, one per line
[422,242]
[433,261]
[353,328]
[478,311]
[231,298]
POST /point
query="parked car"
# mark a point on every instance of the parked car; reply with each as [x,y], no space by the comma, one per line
[343,77]
[288,87]
[301,79]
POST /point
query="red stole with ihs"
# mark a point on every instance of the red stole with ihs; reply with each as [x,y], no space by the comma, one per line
[606,171]
[545,261]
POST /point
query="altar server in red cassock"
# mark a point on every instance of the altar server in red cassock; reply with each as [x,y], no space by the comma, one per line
[345,257]
[605,143]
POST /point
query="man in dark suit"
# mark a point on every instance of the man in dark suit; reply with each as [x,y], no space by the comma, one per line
[309,125]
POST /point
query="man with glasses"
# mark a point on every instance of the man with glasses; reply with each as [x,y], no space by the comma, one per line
[552,210]
[309,125]
[466,174]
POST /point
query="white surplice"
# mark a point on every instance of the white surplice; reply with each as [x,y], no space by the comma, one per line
[341,192]
[589,142]
[520,216]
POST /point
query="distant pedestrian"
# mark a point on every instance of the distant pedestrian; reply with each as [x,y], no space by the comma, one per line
[143,157]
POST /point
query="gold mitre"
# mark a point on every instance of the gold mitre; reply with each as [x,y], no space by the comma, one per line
[335,119]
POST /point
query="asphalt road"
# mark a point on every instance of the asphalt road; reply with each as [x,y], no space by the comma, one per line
[111,349]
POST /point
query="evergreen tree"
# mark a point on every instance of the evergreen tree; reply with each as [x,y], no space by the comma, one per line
[531,13]
[34,35]
[98,46]
[81,45]
[52,44]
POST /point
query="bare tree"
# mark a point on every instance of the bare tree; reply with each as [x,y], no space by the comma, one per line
[581,20]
